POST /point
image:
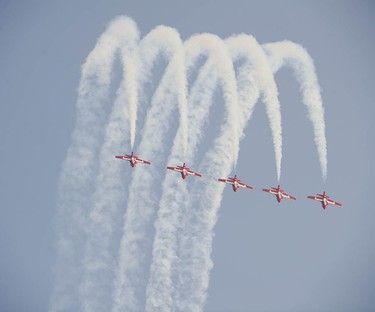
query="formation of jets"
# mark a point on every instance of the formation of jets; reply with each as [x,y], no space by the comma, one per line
[235,182]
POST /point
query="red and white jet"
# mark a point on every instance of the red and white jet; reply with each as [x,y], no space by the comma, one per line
[279,193]
[236,183]
[133,159]
[185,171]
[324,199]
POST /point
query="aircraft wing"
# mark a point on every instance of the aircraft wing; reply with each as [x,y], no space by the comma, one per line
[288,196]
[269,191]
[332,202]
[194,173]
[126,157]
[143,161]
[244,185]
[229,181]
[175,169]
[315,198]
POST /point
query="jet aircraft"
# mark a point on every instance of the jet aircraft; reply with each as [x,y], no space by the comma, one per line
[279,193]
[236,183]
[185,171]
[133,159]
[324,199]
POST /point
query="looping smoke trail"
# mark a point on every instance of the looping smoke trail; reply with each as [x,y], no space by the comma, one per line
[142,196]
[160,289]
[291,54]
[196,241]
[247,46]
[80,164]
[226,76]
[98,261]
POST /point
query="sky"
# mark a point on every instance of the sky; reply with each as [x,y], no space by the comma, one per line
[292,256]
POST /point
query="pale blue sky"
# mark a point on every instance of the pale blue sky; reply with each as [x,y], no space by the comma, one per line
[268,257]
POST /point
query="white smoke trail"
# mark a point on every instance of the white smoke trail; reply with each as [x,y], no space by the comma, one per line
[98,262]
[200,98]
[247,46]
[196,241]
[80,164]
[129,282]
[160,288]
[291,54]
[132,64]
